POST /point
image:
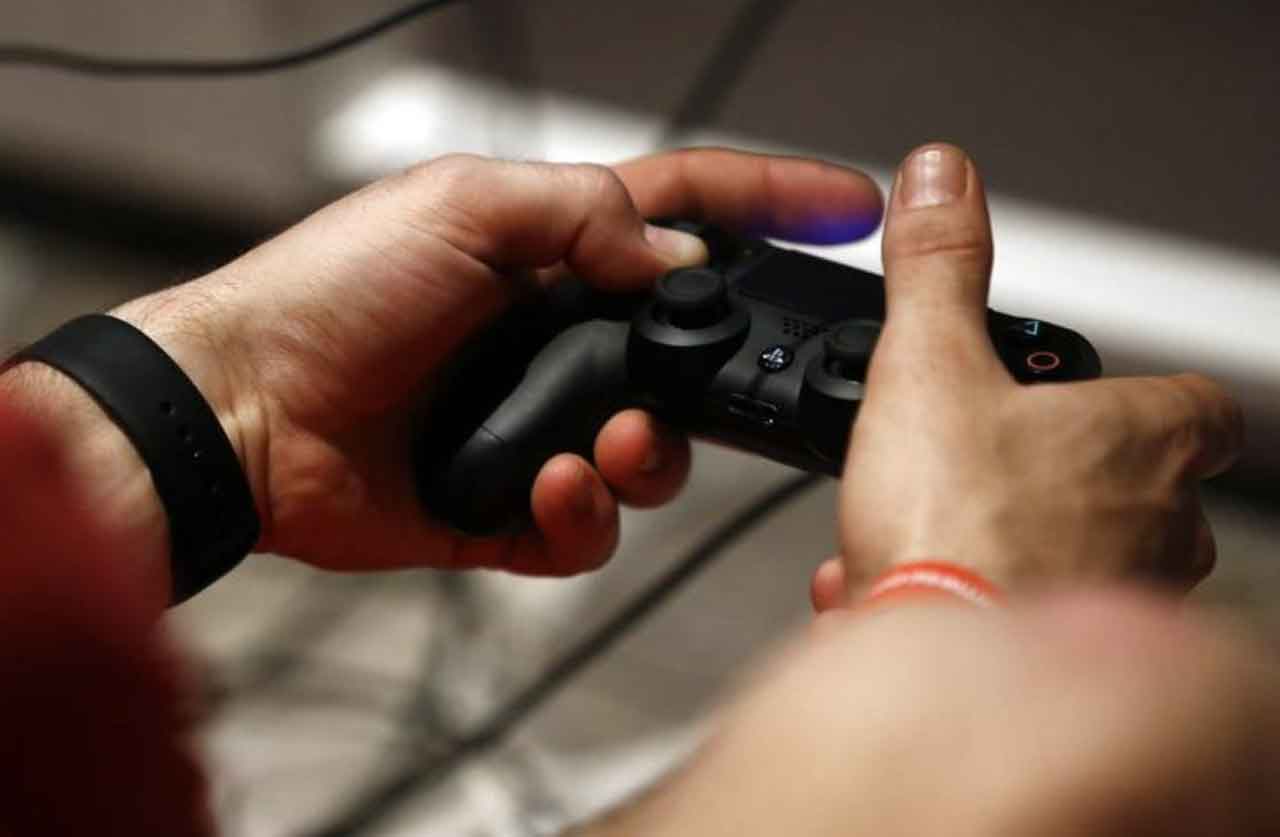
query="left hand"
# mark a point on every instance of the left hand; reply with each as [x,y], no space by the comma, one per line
[313,347]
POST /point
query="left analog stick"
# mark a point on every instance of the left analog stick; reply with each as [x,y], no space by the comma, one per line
[692,298]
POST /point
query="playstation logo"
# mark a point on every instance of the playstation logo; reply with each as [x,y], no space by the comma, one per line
[776,358]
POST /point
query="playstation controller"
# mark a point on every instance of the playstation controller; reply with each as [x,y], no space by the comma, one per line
[765,349]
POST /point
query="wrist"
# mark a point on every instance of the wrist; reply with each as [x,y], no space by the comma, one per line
[93,467]
[91,471]
[932,580]
[995,559]
[200,339]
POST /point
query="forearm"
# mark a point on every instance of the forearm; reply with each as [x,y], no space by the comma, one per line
[94,733]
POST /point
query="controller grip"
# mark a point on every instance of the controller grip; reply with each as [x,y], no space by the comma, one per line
[480,480]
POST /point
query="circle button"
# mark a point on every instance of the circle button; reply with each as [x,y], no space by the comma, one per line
[1043,362]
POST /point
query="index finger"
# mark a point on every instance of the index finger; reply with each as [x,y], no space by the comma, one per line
[793,198]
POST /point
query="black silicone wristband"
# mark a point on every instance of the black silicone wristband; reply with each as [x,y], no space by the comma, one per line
[213,522]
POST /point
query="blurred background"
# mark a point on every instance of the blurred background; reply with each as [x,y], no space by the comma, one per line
[1131,153]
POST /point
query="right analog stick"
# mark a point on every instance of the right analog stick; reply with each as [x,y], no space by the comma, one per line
[848,350]
[692,298]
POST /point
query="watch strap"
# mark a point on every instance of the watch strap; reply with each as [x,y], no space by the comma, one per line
[213,521]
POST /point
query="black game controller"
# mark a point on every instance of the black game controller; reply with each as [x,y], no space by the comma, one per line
[764,349]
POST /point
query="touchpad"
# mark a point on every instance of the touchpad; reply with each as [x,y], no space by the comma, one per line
[814,288]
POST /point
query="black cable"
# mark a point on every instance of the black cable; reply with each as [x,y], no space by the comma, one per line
[306,618]
[748,31]
[378,802]
[69,61]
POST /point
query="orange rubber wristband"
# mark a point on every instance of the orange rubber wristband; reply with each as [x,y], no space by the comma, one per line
[933,578]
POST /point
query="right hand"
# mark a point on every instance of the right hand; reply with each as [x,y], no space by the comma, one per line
[952,460]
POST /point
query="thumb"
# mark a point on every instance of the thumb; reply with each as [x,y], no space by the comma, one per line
[937,259]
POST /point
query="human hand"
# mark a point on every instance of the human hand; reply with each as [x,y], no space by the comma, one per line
[950,459]
[314,347]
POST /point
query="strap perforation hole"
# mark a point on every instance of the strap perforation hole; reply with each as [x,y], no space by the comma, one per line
[167,408]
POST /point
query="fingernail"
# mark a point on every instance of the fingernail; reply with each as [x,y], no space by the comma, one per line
[934,176]
[679,247]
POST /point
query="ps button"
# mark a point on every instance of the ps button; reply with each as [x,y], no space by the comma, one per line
[776,358]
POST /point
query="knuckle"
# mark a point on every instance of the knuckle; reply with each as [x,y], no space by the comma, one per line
[1193,419]
[684,179]
[446,174]
[689,159]
[711,150]
[447,165]
[599,182]
[931,238]
[1210,405]
[1196,386]
[772,178]
[1179,424]
[1217,399]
